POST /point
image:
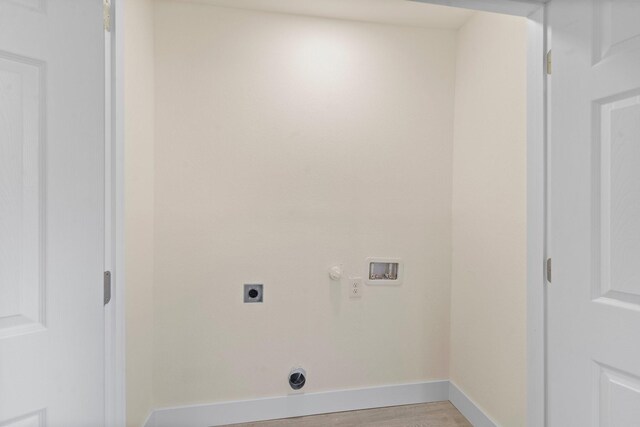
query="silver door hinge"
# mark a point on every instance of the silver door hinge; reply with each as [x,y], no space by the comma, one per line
[548,270]
[106,14]
[548,62]
[107,287]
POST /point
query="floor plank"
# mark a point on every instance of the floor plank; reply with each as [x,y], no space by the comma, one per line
[439,414]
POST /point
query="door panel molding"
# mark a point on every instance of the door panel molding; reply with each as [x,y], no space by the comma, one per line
[22,194]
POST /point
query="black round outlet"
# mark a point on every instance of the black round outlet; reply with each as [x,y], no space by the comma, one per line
[253,293]
[297,380]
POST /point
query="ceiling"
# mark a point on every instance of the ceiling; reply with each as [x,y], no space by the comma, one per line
[397,12]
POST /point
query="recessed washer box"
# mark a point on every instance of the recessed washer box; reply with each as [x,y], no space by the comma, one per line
[384,271]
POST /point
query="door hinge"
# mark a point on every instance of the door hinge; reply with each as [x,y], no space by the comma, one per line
[107,287]
[548,270]
[106,14]
[548,62]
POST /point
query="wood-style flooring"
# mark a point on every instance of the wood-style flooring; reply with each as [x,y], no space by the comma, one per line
[439,414]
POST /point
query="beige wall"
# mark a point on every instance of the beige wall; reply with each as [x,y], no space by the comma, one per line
[285,144]
[488,305]
[139,190]
[281,145]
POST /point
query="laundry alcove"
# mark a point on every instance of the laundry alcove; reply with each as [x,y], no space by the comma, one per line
[268,141]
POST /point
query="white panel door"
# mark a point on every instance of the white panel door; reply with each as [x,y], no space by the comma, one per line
[51,213]
[593,302]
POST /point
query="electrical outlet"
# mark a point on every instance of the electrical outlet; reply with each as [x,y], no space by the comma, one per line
[253,293]
[355,287]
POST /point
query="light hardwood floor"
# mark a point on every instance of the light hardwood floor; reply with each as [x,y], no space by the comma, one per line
[439,414]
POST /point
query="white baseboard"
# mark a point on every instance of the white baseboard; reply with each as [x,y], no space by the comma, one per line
[298,405]
[469,408]
[151,420]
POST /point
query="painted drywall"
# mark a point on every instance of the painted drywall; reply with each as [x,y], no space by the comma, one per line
[284,145]
[488,300]
[288,144]
[395,12]
[139,207]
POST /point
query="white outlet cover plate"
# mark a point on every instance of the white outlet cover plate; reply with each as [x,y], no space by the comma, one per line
[356,286]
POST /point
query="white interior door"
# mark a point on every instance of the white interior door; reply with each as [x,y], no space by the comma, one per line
[51,213]
[594,298]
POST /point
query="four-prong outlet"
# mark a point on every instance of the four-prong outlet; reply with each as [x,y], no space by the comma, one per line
[253,293]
